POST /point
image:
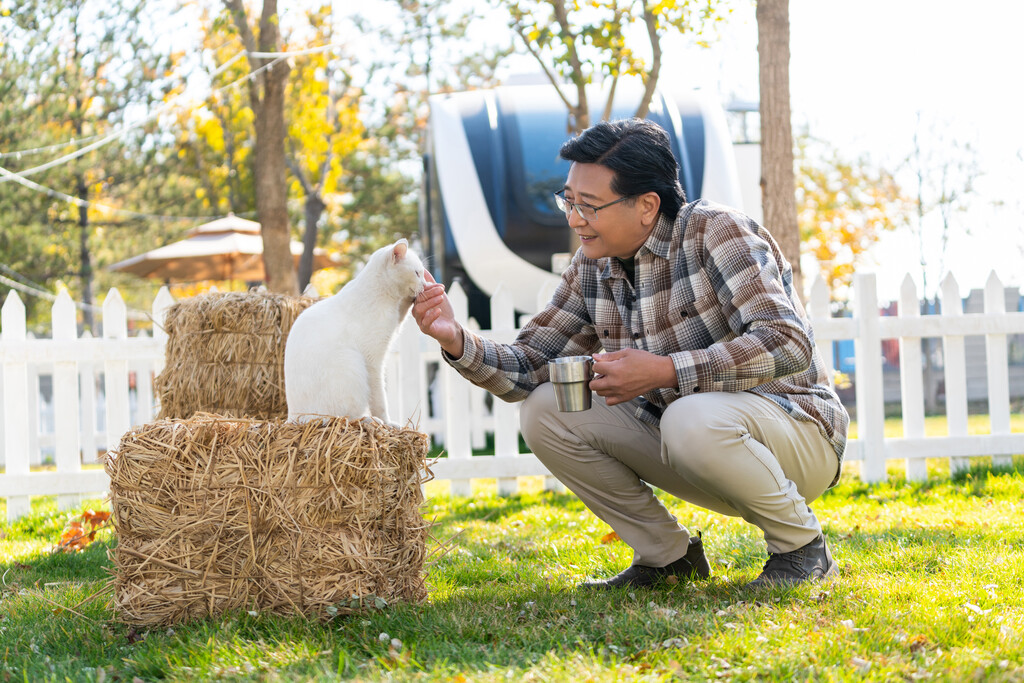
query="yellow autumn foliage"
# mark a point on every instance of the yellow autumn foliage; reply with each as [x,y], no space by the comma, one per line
[843,207]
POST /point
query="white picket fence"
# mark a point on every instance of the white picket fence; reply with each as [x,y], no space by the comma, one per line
[430,396]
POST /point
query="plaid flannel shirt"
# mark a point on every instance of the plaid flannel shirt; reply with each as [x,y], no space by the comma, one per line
[713,292]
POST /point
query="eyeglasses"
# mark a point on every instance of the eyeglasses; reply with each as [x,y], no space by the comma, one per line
[585,211]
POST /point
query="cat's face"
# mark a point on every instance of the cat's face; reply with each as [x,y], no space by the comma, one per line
[405,270]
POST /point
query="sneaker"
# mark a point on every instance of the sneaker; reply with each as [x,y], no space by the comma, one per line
[813,562]
[692,565]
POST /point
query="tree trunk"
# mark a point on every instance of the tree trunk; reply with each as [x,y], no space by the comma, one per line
[271,187]
[88,318]
[270,176]
[778,182]
[314,209]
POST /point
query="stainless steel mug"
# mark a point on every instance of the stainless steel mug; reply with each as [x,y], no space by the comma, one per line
[571,377]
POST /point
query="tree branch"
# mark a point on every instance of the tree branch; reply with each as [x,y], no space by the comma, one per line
[237,11]
[651,80]
[544,67]
[581,112]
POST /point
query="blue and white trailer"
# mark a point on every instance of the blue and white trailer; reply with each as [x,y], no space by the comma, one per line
[491,166]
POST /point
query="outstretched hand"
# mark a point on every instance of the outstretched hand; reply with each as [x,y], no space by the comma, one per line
[621,376]
[434,314]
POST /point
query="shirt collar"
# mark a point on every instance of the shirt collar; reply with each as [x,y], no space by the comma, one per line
[659,242]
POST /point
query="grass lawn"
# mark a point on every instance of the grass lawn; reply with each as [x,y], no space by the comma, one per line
[931,588]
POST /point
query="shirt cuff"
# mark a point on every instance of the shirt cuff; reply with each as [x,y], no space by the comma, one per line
[691,372]
[472,353]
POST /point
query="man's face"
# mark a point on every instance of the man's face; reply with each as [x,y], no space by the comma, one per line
[619,230]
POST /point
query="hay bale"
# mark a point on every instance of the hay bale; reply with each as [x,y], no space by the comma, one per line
[216,514]
[225,354]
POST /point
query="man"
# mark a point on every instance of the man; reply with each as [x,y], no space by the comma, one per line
[709,385]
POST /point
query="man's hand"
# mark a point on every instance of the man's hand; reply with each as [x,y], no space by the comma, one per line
[623,375]
[433,313]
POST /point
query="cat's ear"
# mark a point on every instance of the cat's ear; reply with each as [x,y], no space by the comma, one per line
[399,250]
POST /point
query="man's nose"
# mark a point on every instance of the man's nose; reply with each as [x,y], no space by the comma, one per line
[575,219]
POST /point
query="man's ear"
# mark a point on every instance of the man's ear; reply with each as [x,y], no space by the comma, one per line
[650,203]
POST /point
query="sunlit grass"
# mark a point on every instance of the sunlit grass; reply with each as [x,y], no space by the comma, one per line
[931,588]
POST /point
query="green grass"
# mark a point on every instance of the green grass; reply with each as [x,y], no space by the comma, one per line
[931,588]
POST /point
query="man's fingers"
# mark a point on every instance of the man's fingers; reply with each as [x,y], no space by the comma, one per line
[611,355]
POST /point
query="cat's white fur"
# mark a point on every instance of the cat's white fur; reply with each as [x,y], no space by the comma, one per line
[334,356]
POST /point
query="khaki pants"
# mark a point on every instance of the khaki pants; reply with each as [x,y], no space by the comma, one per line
[738,454]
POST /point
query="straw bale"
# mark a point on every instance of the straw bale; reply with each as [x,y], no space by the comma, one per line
[216,514]
[225,354]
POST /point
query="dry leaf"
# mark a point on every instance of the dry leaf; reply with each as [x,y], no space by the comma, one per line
[611,537]
[76,536]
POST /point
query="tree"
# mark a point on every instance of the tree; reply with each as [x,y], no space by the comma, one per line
[944,172]
[574,44]
[267,97]
[437,43]
[324,129]
[430,48]
[79,68]
[215,142]
[329,151]
[843,208]
[778,190]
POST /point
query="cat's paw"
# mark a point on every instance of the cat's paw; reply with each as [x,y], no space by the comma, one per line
[376,420]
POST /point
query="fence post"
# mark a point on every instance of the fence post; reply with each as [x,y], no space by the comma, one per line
[161,304]
[997,364]
[411,408]
[87,404]
[35,453]
[819,309]
[870,399]
[912,380]
[506,415]
[955,371]
[456,400]
[12,331]
[67,430]
[477,405]
[115,372]
[143,388]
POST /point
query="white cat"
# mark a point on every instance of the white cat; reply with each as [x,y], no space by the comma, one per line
[334,356]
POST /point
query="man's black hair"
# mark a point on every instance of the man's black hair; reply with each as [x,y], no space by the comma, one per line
[639,153]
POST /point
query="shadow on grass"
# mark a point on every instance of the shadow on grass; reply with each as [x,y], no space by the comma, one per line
[496,508]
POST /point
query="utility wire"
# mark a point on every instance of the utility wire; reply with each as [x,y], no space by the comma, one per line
[133,313]
[123,130]
[38,150]
[56,194]
[20,176]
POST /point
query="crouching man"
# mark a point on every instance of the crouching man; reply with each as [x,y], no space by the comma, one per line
[708,382]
